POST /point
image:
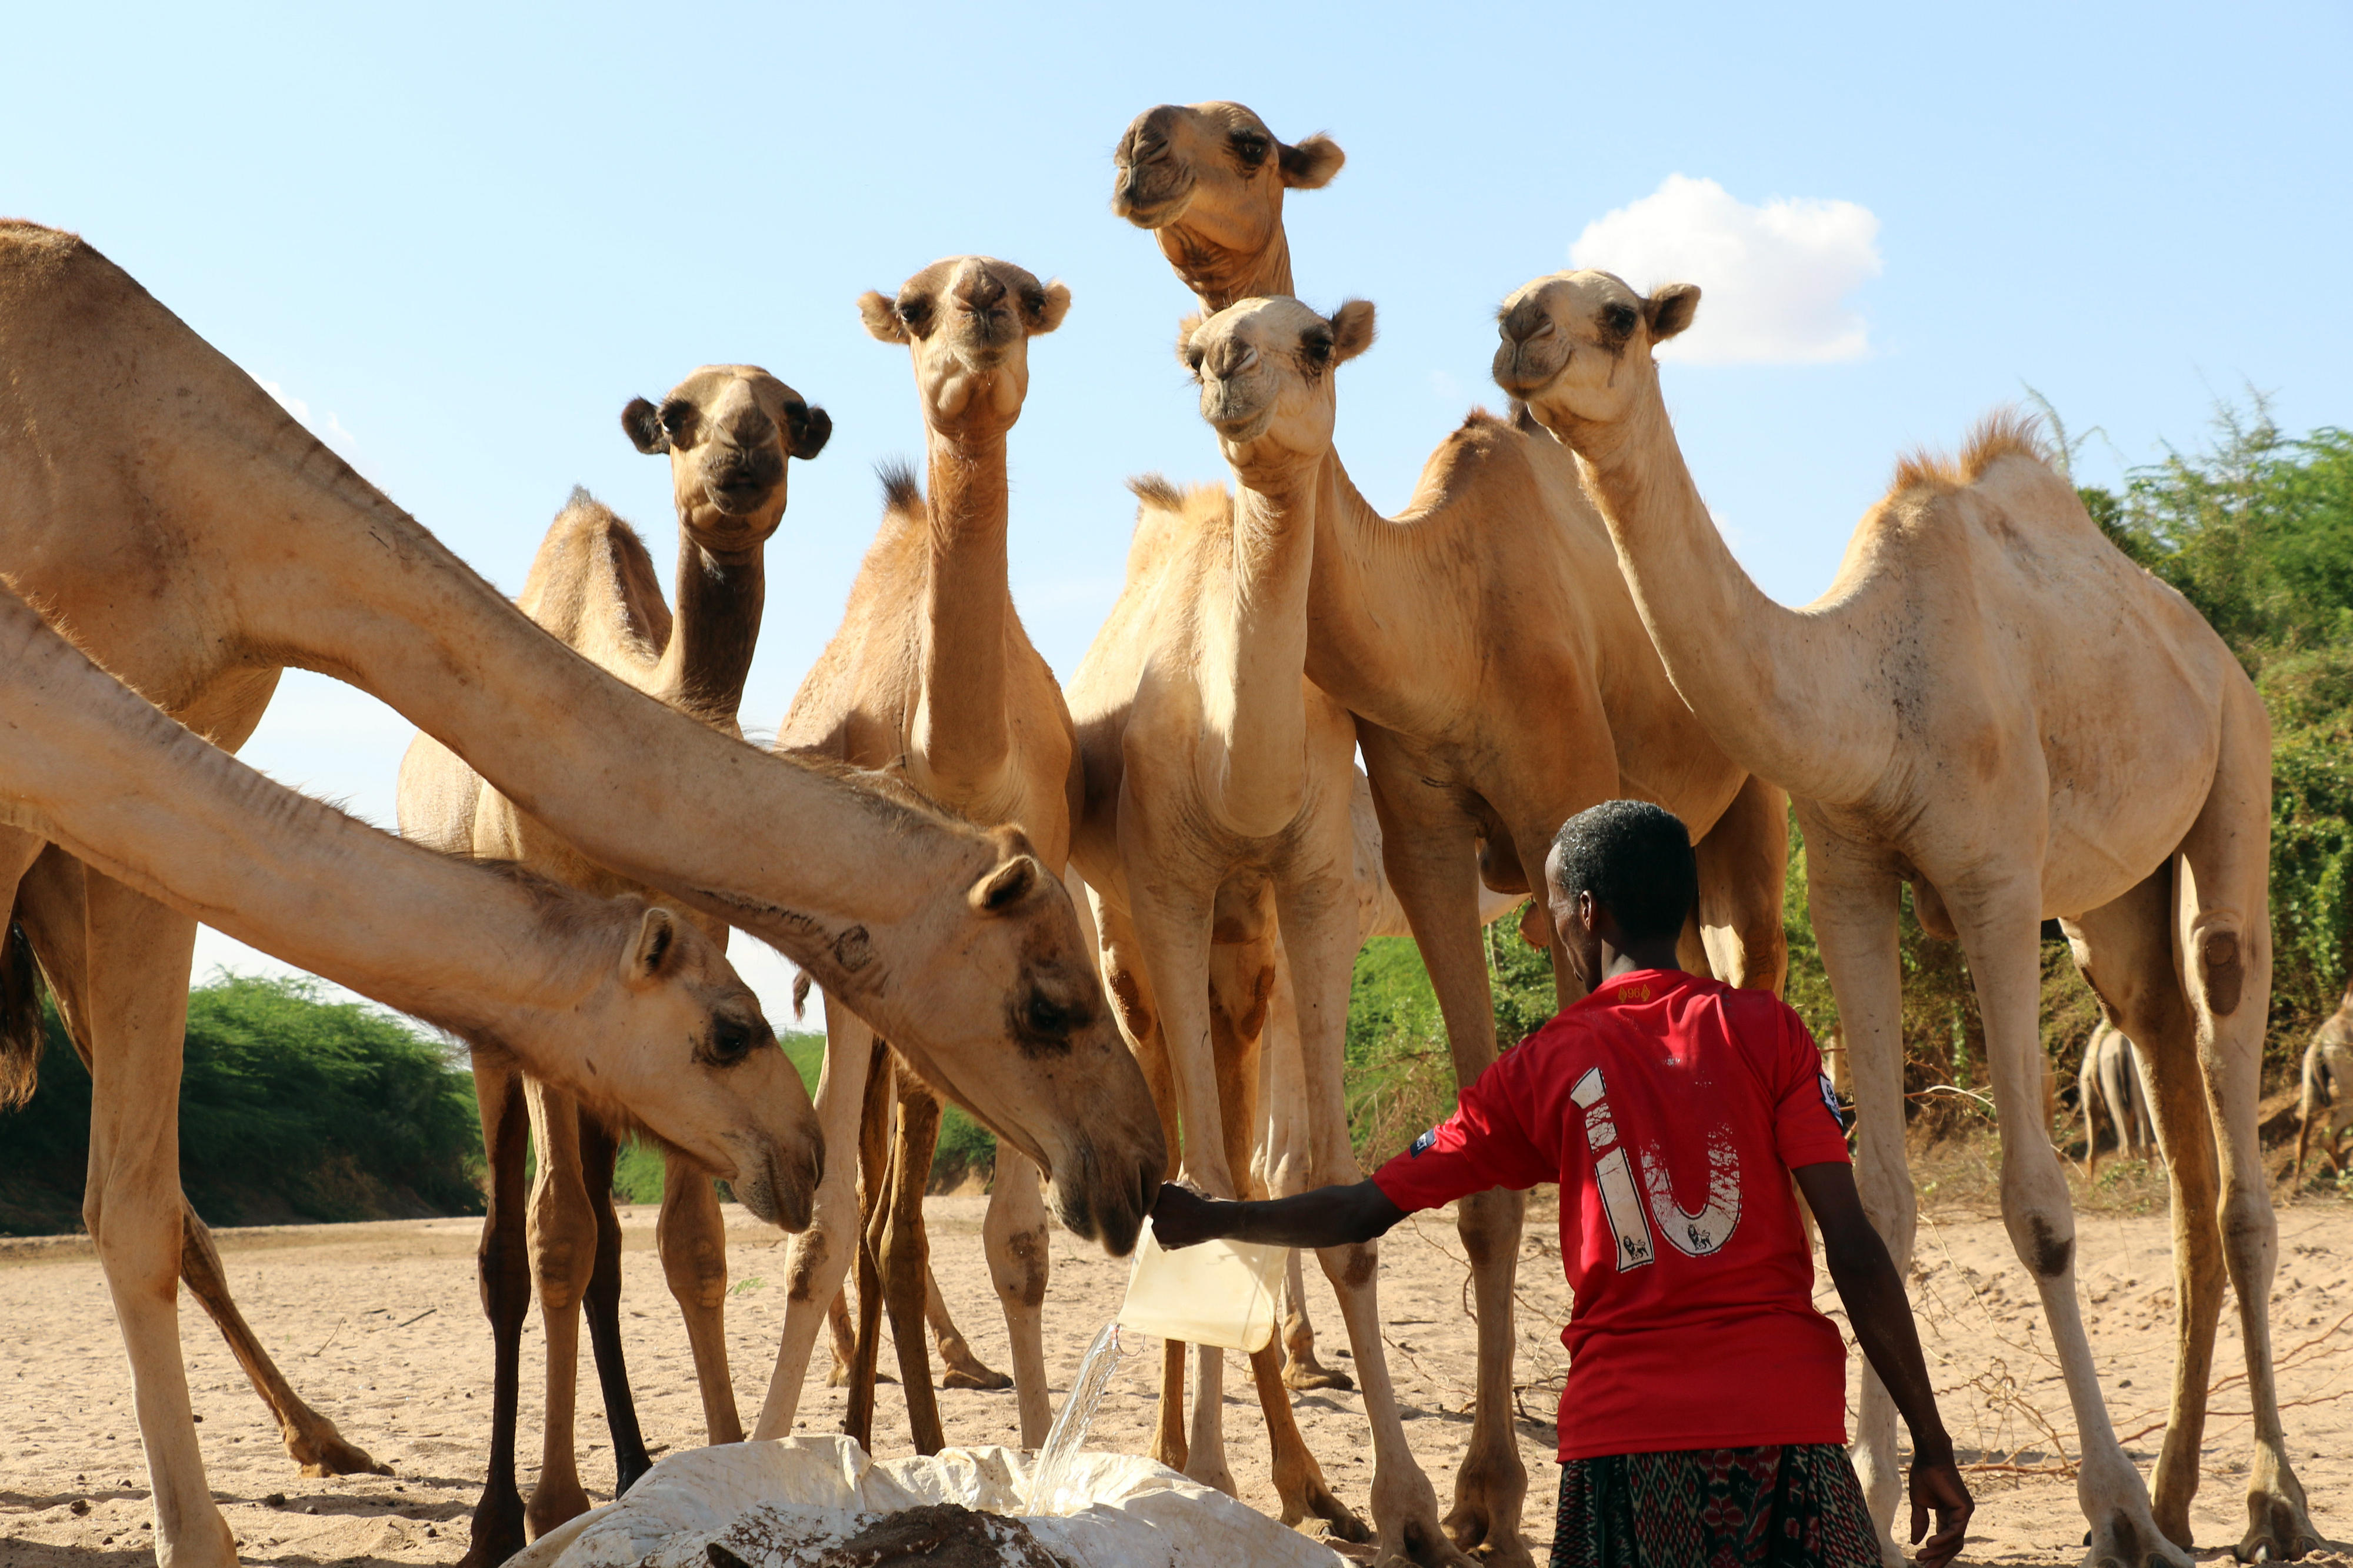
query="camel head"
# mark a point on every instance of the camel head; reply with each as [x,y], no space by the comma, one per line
[1041,1064]
[679,1047]
[1577,345]
[1265,371]
[728,429]
[968,321]
[1208,179]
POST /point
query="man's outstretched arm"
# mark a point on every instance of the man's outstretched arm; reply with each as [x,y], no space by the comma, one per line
[1326,1216]
[1882,1316]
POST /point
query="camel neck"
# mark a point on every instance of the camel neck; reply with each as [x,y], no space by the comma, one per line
[1370,604]
[132,793]
[1254,656]
[1219,276]
[713,632]
[1769,683]
[764,844]
[961,730]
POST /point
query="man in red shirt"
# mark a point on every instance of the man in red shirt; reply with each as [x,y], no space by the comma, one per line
[1704,1420]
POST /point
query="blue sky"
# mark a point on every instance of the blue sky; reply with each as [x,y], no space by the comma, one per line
[457,239]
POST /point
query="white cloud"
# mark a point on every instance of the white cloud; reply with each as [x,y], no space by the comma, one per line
[1773,280]
[1449,391]
[333,432]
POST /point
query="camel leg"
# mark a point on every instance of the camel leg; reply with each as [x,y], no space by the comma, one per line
[600,1304]
[1015,1237]
[2088,1090]
[49,904]
[820,1257]
[1743,863]
[1427,848]
[959,1367]
[2224,931]
[905,1252]
[1999,928]
[1319,959]
[1853,901]
[873,1162]
[502,1266]
[563,1236]
[132,1204]
[692,1235]
[1283,1166]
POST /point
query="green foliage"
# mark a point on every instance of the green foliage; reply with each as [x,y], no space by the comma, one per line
[291,1107]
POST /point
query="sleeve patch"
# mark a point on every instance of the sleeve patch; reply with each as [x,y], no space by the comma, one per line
[1830,1102]
[1422,1142]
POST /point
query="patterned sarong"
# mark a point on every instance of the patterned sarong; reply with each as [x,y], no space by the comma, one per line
[1793,1507]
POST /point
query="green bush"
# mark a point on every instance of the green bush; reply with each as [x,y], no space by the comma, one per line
[291,1106]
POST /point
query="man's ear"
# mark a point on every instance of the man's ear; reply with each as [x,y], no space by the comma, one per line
[1670,309]
[1057,305]
[642,421]
[648,955]
[1352,330]
[881,314]
[1310,165]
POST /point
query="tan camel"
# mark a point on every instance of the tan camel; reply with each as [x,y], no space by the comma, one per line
[1991,703]
[2327,1085]
[932,678]
[1526,692]
[729,432]
[619,1002]
[2108,1085]
[198,540]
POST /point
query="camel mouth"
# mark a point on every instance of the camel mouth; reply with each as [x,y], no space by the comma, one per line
[1150,208]
[1242,429]
[740,498]
[777,1188]
[1108,1205]
[1526,368]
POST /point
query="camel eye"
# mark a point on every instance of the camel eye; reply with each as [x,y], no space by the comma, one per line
[1034,303]
[732,1040]
[1318,346]
[1619,318]
[914,311]
[1250,148]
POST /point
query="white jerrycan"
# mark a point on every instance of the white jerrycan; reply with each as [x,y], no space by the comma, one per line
[1218,1294]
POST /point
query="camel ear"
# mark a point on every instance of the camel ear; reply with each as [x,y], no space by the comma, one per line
[1184,330]
[1007,886]
[810,428]
[880,313]
[1670,309]
[656,940]
[1352,330]
[1056,306]
[642,421]
[1311,165]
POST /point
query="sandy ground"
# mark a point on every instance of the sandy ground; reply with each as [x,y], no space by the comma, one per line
[378,1325]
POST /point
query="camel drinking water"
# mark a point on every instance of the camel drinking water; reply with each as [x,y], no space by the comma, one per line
[1992,704]
[198,539]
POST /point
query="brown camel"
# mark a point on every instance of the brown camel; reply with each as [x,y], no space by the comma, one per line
[932,678]
[618,1001]
[2327,1085]
[197,540]
[729,432]
[1527,692]
[1992,704]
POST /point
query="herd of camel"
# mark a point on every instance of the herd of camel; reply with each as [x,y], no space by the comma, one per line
[1112,918]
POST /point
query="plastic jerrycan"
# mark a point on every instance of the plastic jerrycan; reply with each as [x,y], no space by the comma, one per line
[1218,1294]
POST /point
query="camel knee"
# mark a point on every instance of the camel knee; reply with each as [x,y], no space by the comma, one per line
[2044,1239]
[1350,1267]
[2221,970]
[1020,1274]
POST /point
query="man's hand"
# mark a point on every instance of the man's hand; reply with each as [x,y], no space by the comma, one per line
[1937,1488]
[1183,1217]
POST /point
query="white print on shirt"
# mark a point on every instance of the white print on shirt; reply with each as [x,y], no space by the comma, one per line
[1697,1234]
[1613,1175]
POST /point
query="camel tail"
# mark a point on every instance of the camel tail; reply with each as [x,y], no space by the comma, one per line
[20,1018]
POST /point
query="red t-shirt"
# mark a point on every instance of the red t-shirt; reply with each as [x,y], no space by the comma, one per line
[1671,1110]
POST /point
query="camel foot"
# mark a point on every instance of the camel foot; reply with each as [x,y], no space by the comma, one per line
[323,1452]
[2125,1542]
[1304,1493]
[552,1506]
[839,1377]
[1217,1478]
[973,1373]
[497,1530]
[1422,1544]
[1486,1520]
[2279,1530]
[1299,1376]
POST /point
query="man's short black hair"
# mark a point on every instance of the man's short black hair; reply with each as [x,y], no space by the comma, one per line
[1636,861]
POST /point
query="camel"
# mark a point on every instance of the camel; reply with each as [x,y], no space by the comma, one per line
[197,540]
[932,678]
[1992,704]
[1526,692]
[2109,1084]
[2327,1085]
[729,432]
[618,1001]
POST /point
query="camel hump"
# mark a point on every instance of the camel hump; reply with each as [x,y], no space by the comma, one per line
[902,491]
[2004,433]
[591,566]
